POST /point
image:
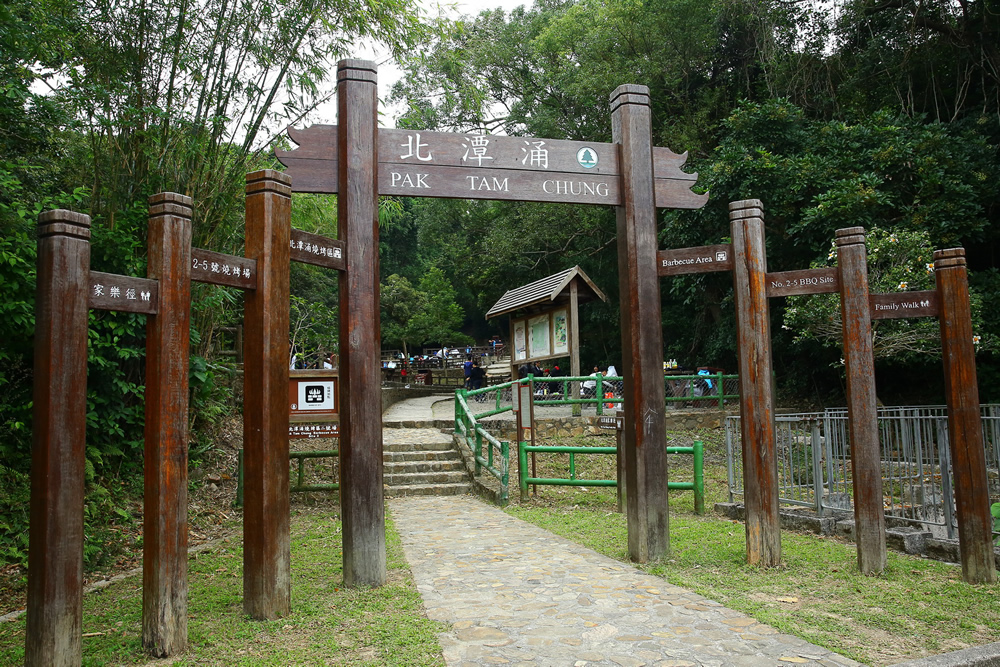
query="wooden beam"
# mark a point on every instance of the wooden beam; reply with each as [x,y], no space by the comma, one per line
[862,408]
[642,337]
[964,421]
[55,534]
[760,473]
[266,520]
[361,502]
[165,472]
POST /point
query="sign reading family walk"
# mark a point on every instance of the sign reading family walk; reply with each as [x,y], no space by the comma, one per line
[477,166]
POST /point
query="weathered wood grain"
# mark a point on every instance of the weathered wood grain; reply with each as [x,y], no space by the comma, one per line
[361,502]
[470,166]
[266,520]
[760,473]
[805,281]
[904,304]
[702,259]
[644,437]
[316,250]
[55,533]
[972,497]
[110,291]
[216,268]
[165,464]
[862,409]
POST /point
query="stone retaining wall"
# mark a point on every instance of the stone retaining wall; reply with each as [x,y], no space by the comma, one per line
[568,427]
[900,534]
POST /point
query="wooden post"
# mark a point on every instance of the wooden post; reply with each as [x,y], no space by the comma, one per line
[574,343]
[760,472]
[862,408]
[164,549]
[965,433]
[645,439]
[55,534]
[362,506]
[266,528]
[511,347]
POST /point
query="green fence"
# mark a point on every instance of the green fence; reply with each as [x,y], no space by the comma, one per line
[300,484]
[490,454]
[606,393]
[523,449]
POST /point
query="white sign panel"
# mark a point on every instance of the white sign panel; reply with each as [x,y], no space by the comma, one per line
[315,395]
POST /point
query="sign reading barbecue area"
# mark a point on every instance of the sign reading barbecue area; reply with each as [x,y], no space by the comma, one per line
[478,166]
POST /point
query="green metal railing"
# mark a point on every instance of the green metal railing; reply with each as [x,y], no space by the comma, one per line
[300,484]
[496,457]
[679,389]
[697,485]
[606,394]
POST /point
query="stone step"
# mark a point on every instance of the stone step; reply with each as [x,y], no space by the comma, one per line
[417,447]
[439,477]
[398,457]
[396,468]
[454,489]
[437,424]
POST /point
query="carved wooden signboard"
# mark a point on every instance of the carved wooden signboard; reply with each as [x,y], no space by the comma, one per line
[694,260]
[476,166]
[904,304]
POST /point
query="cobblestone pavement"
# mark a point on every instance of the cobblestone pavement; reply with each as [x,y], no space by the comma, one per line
[515,594]
[422,410]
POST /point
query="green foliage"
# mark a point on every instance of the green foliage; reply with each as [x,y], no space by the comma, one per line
[144,98]
[898,261]
[313,333]
[399,301]
[15,495]
[817,176]
[548,70]
[428,313]
[927,183]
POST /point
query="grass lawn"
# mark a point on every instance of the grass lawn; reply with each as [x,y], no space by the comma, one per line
[329,625]
[918,607]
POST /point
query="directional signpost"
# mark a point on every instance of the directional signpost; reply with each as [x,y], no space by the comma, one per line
[66,290]
[360,162]
[753,285]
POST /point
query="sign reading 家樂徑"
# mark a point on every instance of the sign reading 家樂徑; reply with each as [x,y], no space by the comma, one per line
[542,336]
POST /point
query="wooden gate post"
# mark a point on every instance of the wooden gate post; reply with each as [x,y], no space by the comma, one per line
[862,408]
[362,506]
[164,547]
[645,438]
[760,467]
[964,421]
[266,520]
[55,534]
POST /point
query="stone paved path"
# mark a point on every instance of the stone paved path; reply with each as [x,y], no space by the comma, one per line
[515,594]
